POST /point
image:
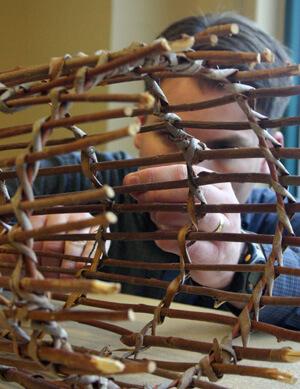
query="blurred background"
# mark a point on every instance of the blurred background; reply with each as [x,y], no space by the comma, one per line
[33,31]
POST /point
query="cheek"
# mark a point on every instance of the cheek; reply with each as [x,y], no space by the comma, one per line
[156,144]
[233,165]
[221,165]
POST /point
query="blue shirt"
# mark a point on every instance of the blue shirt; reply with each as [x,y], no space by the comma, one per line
[260,223]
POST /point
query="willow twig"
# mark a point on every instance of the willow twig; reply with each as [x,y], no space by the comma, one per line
[159,46]
[166,235]
[116,329]
[225,55]
[259,354]
[233,153]
[41,72]
[218,294]
[242,76]
[141,98]
[222,368]
[219,30]
[73,315]
[19,235]
[211,40]
[279,332]
[125,112]
[168,207]
[255,371]
[74,360]
[130,366]
[11,374]
[234,126]
[135,264]
[207,178]
[80,144]
[105,192]
[66,285]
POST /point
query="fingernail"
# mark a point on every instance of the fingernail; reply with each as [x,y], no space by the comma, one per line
[131,179]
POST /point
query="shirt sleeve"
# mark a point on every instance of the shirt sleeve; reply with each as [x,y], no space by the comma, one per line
[284,285]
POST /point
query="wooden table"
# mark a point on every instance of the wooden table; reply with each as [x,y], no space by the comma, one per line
[95,338]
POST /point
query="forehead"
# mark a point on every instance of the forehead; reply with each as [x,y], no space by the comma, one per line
[190,90]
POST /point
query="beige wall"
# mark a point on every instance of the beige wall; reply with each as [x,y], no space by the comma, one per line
[32,31]
[149,17]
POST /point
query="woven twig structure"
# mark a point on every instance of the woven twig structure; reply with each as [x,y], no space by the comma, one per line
[43,347]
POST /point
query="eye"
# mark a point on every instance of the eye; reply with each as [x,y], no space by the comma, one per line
[221,145]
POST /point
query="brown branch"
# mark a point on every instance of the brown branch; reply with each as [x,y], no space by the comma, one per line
[73,315]
[73,146]
[23,145]
[233,153]
[225,55]
[61,285]
[230,98]
[211,40]
[106,326]
[234,126]
[222,368]
[150,265]
[158,47]
[19,235]
[278,332]
[41,72]
[242,76]
[218,294]
[258,354]
[118,113]
[103,193]
[166,235]
[207,178]
[168,207]
[131,367]
[80,97]
[219,30]
[11,374]
[74,360]
[255,371]
[262,74]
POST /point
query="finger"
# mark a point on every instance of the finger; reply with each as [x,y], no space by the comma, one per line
[56,246]
[38,221]
[213,193]
[76,248]
[89,249]
[158,174]
[11,259]
[71,265]
[214,222]
[208,223]
[170,219]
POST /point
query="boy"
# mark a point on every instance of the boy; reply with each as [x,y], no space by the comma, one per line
[181,90]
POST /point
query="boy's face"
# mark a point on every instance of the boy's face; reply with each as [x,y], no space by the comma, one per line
[187,90]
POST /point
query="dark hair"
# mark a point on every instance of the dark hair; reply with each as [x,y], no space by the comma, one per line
[249,38]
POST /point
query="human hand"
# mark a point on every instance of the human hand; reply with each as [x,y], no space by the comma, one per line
[201,252]
[75,248]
